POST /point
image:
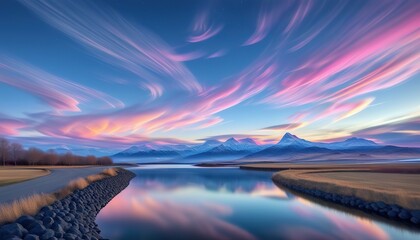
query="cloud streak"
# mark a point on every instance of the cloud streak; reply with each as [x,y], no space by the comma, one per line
[59,93]
[115,41]
[202,28]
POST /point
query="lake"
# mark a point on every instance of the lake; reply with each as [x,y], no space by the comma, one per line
[185,202]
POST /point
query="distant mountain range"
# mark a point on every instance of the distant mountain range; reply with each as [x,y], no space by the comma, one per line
[289,148]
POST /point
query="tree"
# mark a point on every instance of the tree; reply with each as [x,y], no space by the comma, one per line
[51,158]
[4,150]
[34,155]
[16,152]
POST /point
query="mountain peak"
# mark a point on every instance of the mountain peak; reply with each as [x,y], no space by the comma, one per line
[231,140]
[289,139]
[360,142]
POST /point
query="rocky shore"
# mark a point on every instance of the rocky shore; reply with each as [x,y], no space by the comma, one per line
[390,211]
[72,217]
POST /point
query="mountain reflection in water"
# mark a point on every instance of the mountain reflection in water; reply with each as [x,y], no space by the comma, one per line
[226,203]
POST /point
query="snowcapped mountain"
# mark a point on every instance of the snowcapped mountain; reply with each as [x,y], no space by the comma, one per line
[207,145]
[292,140]
[352,143]
[230,149]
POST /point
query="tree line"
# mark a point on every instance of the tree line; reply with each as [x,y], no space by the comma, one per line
[15,154]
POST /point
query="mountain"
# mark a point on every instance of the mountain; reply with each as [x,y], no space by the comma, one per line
[207,145]
[228,150]
[352,143]
[292,140]
[293,148]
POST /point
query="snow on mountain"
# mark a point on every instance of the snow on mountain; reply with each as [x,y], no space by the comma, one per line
[351,143]
[207,145]
[292,140]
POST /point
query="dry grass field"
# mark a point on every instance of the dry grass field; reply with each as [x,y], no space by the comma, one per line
[14,175]
[391,183]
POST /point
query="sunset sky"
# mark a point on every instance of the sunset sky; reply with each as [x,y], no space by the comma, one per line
[117,73]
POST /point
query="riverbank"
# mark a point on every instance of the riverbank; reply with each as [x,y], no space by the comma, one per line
[391,192]
[72,217]
[58,178]
[11,175]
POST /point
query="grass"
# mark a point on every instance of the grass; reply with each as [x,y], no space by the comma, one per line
[15,175]
[370,184]
[32,204]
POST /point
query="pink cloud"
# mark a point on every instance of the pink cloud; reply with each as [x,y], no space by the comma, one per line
[268,18]
[219,53]
[202,28]
[10,126]
[382,48]
[57,92]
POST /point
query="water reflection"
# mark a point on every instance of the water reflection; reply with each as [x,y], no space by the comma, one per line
[225,204]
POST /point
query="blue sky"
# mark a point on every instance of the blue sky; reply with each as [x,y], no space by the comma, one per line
[116,73]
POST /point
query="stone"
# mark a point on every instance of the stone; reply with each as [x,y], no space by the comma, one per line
[48,221]
[25,221]
[12,229]
[415,220]
[404,215]
[415,213]
[38,230]
[48,234]
[69,236]
[392,214]
[31,237]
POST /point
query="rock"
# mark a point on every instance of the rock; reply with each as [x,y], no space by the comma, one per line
[69,236]
[392,214]
[415,220]
[48,221]
[48,234]
[13,238]
[25,221]
[31,237]
[404,215]
[12,229]
[415,213]
[38,230]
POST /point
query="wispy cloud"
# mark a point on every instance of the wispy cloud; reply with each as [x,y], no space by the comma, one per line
[203,28]
[114,40]
[10,126]
[59,93]
[285,127]
[268,17]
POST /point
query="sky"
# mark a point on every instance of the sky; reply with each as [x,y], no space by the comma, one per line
[117,73]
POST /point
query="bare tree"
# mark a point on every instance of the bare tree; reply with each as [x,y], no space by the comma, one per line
[51,158]
[34,155]
[16,152]
[4,150]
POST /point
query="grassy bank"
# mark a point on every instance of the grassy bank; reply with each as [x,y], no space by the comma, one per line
[396,187]
[32,204]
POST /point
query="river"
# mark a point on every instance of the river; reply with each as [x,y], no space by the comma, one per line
[185,202]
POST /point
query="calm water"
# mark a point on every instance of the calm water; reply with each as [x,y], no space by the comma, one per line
[182,202]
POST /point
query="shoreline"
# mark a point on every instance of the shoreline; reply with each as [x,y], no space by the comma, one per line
[376,207]
[72,217]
